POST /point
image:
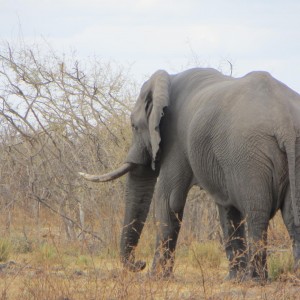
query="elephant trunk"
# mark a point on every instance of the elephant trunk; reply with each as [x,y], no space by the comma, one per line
[138,196]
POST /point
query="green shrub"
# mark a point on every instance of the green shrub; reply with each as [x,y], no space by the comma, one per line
[279,263]
[5,248]
[22,245]
[206,254]
[47,253]
[84,260]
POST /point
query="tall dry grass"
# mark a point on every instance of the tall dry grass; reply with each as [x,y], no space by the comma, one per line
[55,268]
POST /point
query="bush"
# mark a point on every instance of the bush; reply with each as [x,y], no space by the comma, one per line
[22,245]
[279,263]
[206,254]
[83,261]
[5,248]
[47,254]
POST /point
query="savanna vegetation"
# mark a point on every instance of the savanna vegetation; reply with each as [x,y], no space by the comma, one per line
[59,235]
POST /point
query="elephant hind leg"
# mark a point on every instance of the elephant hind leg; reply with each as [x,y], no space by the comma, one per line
[296,248]
[294,231]
[258,222]
[255,200]
[233,227]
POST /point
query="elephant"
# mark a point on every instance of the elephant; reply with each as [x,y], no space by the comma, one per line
[237,138]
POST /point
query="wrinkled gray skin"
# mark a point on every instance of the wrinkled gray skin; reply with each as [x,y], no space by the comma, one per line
[238,138]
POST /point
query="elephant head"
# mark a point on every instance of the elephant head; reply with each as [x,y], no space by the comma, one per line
[141,163]
[146,118]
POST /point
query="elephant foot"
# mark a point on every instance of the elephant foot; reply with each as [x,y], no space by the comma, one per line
[162,273]
[235,274]
[237,268]
[244,275]
[232,275]
[296,268]
[160,276]
[297,259]
[254,276]
[135,266]
[162,268]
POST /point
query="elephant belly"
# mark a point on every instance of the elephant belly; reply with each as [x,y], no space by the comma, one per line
[238,186]
[209,175]
[237,169]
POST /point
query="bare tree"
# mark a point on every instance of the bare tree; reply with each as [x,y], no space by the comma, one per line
[58,117]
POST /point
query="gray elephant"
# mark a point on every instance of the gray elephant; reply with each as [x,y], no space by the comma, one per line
[238,138]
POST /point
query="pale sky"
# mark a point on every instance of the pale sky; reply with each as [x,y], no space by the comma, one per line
[164,34]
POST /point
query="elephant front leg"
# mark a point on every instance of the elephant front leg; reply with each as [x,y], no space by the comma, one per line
[165,245]
[169,212]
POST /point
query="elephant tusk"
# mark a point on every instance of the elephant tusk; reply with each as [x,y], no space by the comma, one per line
[125,168]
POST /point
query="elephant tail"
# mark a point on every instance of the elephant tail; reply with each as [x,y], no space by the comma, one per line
[292,149]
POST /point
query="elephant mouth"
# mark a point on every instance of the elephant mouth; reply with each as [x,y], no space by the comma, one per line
[125,168]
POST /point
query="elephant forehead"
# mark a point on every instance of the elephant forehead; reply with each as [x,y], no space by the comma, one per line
[137,107]
[138,111]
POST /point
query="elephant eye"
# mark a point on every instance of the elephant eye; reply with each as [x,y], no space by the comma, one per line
[134,127]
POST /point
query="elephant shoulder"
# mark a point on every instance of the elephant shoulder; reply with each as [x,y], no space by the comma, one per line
[258,75]
[262,81]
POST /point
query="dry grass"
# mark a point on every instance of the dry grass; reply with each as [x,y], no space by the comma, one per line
[56,269]
[104,279]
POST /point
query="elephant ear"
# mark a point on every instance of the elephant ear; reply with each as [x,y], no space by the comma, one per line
[156,100]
